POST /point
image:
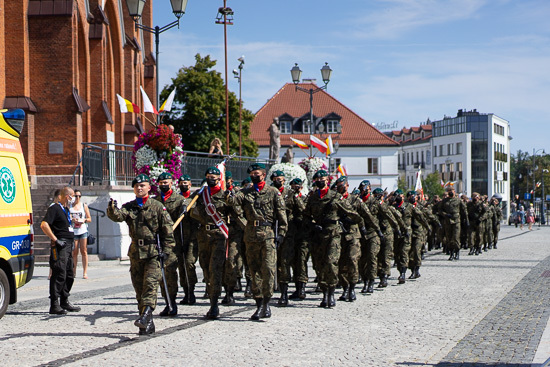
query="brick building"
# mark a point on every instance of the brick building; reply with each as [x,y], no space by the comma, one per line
[63,62]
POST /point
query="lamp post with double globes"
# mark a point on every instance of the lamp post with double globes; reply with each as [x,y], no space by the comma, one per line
[135,9]
[296,74]
[238,75]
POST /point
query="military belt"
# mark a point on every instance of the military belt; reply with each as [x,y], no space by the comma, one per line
[141,242]
[259,223]
[211,227]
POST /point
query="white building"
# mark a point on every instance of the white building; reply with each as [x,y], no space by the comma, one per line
[365,152]
[473,149]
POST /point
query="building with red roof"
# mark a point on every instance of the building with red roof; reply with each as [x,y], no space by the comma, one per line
[366,152]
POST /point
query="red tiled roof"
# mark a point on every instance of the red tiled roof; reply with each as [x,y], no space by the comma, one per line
[355,130]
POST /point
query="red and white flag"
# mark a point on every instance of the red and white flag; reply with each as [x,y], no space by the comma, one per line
[418,187]
[318,143]
[221,167]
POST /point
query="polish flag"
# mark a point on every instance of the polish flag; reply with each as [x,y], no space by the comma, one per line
[318,143]
[418,187]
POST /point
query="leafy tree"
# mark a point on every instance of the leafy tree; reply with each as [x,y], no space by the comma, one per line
[198,113]
[522,170]
[432,184]
[402,184]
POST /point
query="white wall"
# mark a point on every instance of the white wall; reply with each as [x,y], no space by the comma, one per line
[464,157]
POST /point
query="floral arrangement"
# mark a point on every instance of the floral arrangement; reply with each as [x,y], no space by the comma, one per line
[156,151]
[311,165]
[291,171]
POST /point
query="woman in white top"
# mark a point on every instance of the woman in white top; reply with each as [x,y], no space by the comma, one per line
[80,215]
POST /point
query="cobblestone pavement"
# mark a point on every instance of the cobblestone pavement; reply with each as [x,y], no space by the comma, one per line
[483,310]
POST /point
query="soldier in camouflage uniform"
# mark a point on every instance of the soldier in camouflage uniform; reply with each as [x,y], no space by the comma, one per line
[488,224]
[403,243]
[464,235]
[476,214]
[325,209]
[264,209]
[286,251]
[299,237]
[496,220]
[212,236]
[174,205]
[189,252]
[452,210]
[419,228]
[146,220]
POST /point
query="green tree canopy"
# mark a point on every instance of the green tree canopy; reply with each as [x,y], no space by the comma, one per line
[432,185]
[198,113]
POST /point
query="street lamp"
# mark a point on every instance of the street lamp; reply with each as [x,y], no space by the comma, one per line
[225,17]
[543,215]
[135,9]
[296,74]
[238,75]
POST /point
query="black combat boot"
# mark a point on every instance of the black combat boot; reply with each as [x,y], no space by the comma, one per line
[490,246]
[472,251]
[324,302]
[383,281]
[238,286]
[55,308]
[228,299]
[248,288]
[149,329]
[351,293]
[302,291]
[318,288]
[452,257]
[283,300]
[330,298]
[296,293]
[401,279]
[370,286]
[485,247]
[457,254]
[185,299]
[256,315]
[365,286]
[412,273]
[416,272]
[265,310]
[68,306]
[495,246]
[345,294]
[145,317]
[167,312]
[214,310]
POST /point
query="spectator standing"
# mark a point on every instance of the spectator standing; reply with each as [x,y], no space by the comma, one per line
[215,148]
[80,216]
[521,216]
[530,216]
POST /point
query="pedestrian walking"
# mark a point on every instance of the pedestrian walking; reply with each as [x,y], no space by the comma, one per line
[521,217]
[80,216]
[530,216]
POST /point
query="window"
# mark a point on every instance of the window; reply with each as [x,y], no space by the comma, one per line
[449,149]
[306,127]
[498,129]
[408,159]
[334,164]
[286,127]
[458,148]
[332,126]
[441,151]
[417,161]
[372,165]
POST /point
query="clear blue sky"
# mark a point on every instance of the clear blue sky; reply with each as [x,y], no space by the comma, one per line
[404,60]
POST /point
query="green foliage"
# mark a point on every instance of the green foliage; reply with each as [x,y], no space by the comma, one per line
[432,185]
[521,175]
[402,184]
[198,113]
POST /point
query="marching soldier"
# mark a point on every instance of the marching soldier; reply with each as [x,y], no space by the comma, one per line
[325,208]
[403,243]
[419,227]
[174,205]
[189,252]
[488,224]
[264,210]
[496,220]
[452,211]
[476,215]
[299,238]
[212,212]
[148,222]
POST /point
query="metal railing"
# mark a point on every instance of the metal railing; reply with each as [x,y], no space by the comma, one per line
[97,233]
[111,164]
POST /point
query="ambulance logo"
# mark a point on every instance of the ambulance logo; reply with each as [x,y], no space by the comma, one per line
[7,185]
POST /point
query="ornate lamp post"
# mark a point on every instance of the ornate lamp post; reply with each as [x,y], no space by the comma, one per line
[238,75]
[135,9]
[296,74]
[225,17]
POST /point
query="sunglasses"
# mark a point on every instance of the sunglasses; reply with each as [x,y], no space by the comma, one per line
[78,196]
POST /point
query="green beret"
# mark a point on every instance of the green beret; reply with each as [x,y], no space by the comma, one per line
[320,173]
[378,191]
[277,174]
[165,176]
[228,174]
[342,179]
[237,184]
[364,183]
[255,166]
[296,181]
[356,192]
[333,186]
[185,178]
[398,192]
[411,193]
[212,171]
[246,181]
[140,178]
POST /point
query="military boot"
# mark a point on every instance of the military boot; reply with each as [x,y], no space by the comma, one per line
[185,299]
[248,288]
[149,329]
[401,279]
[416,272]
[228,299]
[296,293]
[145,317]
[55,308]
[452,257]
[457,254]
[167,312]
[214,310]
[192,299]
[256,315]
[318,288]
[472,251]
[238,286]
[370,286]
[485,247]
[68,306]
[324,302]
[365,286]
[283,300]
[383,281]
[302,291]
[345,294]
[495,246]
[331,302]
[351,293]
[265,310]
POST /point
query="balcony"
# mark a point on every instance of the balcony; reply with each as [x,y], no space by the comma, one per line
[418,165]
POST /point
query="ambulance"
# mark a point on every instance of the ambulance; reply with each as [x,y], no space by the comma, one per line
[16,233]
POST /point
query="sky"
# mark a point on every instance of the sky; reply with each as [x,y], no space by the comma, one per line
[392,60]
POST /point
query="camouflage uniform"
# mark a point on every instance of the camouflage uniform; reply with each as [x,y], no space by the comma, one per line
[496,222]
[476,214]
[389,222]
[488,239]
[370,245]
[188,253]
[233,264]
[419,227]
[350,252]
[144,223]
[452,210]
[403,243]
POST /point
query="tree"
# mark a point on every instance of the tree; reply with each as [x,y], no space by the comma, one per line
[198,113]
[402,184]
[432,185]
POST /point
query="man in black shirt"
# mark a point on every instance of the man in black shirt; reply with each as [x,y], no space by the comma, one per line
[58,227]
